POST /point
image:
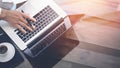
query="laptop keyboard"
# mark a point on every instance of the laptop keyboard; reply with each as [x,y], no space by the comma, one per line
[44,17]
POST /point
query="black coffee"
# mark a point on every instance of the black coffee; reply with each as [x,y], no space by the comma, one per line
[3,49]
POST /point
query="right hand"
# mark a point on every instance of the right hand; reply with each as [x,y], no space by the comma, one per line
[17,19]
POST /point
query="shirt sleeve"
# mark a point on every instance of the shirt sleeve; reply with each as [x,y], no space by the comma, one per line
[14,1]
[0,10]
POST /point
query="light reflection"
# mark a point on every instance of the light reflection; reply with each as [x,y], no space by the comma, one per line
[88,7]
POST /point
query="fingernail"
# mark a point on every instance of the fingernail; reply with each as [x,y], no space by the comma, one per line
[24,32]
[34,20]
[33,26]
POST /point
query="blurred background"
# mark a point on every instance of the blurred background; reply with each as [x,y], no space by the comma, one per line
[98,32]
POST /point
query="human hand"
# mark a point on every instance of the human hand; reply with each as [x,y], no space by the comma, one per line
[17,19]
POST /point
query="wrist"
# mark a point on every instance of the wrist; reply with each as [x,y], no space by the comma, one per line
[3,14]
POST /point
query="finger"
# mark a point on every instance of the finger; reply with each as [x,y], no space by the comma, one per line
[27,16]
[20,28]
[26,26]
[23,20]
[33,27]
[27,22]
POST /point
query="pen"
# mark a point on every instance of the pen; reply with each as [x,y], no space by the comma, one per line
[28,20]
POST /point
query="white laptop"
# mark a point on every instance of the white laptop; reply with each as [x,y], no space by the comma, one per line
[51,23]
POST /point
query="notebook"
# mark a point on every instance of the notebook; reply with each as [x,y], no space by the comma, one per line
[51,23]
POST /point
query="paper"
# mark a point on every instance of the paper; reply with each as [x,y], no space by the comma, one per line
[14,1]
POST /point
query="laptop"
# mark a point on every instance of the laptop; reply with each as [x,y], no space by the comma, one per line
[51,23]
